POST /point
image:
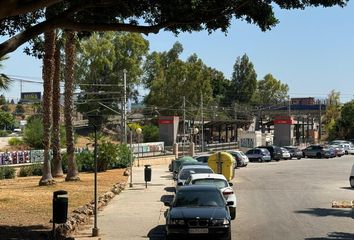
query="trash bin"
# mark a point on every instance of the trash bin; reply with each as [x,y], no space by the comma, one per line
[60,206]
[147,173]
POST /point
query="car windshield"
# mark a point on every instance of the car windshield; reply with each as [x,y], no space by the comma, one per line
[219,183]
[187,172]
[199,198]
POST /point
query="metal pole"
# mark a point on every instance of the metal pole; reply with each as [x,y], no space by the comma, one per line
[125,107]
[138,149]
[202,130]
[184,123]
[95,230]
[131,159]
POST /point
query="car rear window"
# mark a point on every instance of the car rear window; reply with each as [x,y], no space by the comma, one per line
[198,198]
[187,172]
[219,183]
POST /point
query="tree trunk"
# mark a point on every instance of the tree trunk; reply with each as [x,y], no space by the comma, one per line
[73,174]
[48,69]
[57,163]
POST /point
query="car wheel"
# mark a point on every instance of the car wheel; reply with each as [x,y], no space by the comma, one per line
[228,236]
[260,160]
[232,212]
[346,152]
[298,158]
[318,155]
[351,181]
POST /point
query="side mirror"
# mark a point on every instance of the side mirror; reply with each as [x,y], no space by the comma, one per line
[231,184]
[180,184]
[167,204]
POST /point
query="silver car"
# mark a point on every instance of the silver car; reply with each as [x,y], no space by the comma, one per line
[259,154]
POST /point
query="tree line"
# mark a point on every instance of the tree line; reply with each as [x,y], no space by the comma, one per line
[43,22]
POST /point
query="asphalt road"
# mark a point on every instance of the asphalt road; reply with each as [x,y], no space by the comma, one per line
[292,200]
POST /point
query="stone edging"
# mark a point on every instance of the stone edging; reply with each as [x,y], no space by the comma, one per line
[82,214]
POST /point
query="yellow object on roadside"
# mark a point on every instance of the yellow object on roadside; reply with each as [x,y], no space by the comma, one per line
[223,163]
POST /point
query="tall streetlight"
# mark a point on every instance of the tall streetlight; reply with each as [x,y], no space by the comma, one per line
[195,132]
[138,132]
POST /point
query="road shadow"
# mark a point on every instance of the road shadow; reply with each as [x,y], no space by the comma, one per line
[170,189]
[150,184]
[167,176]
[325,212]
[333,236]
[157,233]
[347,188]
[167,198]
[32,232]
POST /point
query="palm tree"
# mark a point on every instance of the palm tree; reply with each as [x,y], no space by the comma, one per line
[5,81]
[57,162]
[73,174]
[48,70]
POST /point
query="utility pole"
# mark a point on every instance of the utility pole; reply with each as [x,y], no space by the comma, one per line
[125,107]
[184,124]
[202,114]
[320,124]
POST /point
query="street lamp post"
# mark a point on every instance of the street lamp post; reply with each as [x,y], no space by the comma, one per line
[131,159]
[195,132]
[138,132]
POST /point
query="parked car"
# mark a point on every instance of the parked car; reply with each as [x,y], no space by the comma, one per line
[317,151]
[294,152]
[186,171]
[351,177]
[339,150]
[221,183]
[348,148]
[332,151]
[203,158]
[241,159]
[259,154]
[275,152]
[285,153]
[200,211]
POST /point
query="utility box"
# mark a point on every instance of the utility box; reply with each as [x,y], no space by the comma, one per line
[147,173]
[60,206]
[223,163]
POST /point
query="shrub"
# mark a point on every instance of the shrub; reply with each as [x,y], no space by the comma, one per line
[107,155]
[150,133]
[15,141]
[124,155]
[85,161]
[31,170]
[7,172]
[33,133]
[3,133]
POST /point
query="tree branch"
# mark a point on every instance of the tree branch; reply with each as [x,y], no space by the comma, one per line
[17,7]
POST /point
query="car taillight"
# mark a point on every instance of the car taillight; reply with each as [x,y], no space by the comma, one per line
[227,192]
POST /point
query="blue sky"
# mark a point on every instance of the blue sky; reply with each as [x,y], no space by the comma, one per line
[311,50]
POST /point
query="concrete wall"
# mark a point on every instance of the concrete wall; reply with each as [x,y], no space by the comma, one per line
[160,160]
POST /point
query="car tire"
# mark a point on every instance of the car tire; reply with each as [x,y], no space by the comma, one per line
[232,212]
[318,155]
[260,160]
[298,158]
[346,152]
[228,237]
[351,181]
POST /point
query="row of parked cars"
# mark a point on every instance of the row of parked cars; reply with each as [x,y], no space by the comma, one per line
[204,203]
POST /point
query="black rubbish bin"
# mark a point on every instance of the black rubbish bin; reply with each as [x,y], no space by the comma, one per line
[147,174]
[60,206]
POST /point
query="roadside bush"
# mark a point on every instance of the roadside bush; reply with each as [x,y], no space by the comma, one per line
[107,155]
[150,133]
[7,172]
[3,133]
[124,154]
[15,141]
[84,161]
[31,170]
[33,133]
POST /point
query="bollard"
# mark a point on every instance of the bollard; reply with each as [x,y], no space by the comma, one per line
[147,174]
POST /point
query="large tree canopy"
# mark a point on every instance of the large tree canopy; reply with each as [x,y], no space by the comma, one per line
[22,21]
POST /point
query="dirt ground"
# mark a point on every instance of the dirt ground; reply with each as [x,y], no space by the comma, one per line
[26,207]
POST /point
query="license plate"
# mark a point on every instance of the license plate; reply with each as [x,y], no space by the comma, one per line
[198,230]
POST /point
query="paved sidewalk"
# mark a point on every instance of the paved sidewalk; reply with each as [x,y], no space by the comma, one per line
[137,212]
